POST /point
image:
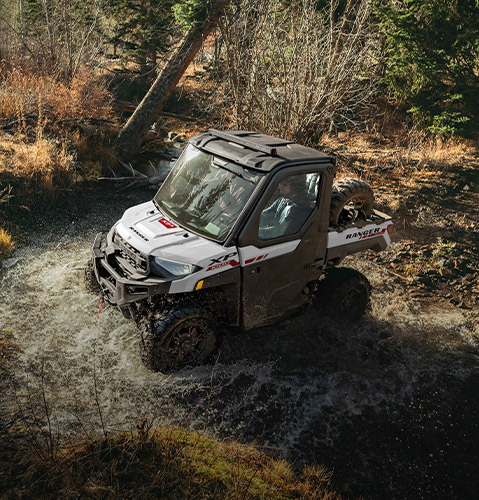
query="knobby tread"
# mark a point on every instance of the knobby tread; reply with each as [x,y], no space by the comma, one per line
[344,191]
[91,283]
[156,331]
[338,283]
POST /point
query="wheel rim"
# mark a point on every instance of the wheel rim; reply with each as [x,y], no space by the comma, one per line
[188,341]
[352,210]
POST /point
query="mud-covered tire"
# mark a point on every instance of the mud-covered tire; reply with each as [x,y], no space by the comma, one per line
[177,338]
[344,294]
[351,199]
[91,284]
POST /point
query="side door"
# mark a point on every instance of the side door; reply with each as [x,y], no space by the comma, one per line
[283,246]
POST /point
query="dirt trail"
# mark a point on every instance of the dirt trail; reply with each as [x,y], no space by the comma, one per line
[390,403]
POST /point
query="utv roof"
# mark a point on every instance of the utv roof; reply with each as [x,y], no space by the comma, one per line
[255,150]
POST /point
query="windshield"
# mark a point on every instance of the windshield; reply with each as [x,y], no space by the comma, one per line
[206,194]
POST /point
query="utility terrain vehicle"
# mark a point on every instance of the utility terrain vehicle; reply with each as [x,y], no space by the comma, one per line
[245,230]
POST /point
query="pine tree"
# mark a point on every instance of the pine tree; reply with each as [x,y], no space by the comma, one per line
[201,24]
[142,27]
[432,61]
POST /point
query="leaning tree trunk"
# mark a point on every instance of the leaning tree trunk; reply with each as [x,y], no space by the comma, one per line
[129,139]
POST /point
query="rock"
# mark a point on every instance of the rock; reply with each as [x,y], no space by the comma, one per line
[8,263]
[466,188]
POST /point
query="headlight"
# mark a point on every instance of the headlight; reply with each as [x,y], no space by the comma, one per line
[175,268]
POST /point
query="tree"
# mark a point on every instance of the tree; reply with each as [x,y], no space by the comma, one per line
[432,61]
[142,28]
[298,69]
[60,35]
[202,19]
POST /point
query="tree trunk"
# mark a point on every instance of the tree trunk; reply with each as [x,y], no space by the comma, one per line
[129,139]
[24,26]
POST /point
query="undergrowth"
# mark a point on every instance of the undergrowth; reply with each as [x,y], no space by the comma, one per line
[43,148]
[36,166]
[8,352]
[25,91]
[165,463]
[7,244]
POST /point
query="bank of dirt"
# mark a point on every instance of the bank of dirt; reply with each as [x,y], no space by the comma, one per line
[389,404]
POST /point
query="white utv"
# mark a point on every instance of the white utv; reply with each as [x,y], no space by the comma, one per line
[245,230]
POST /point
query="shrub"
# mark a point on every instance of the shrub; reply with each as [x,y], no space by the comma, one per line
[6,243]
[25,91]
[297,71]
[431,61]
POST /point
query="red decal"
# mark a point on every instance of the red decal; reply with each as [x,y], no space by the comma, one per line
[167,223]
[261,257]
[372,235]
[217,266]
[232,263]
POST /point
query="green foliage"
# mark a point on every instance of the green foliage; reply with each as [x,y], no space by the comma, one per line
[432,61]
[167,463]
[142,27]
[189,12]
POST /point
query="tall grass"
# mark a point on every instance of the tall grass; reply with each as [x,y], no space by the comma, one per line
[39,153]
[25,91]
[167,463]
[6,243]
[35,166]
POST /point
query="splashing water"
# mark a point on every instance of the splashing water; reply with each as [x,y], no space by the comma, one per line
[381,401]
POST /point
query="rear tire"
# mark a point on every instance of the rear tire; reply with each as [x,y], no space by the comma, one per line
[351,199]
[178,338]
[343,294]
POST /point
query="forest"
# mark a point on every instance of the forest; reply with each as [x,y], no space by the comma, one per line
[97,100]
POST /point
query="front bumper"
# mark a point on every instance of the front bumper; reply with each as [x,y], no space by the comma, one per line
[117,287]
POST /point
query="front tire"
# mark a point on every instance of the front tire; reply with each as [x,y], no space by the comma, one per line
[91,284]
[343,294]
[178,338]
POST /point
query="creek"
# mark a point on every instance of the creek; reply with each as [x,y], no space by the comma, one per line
[389,404]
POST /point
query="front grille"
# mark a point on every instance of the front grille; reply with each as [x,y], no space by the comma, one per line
[130,254]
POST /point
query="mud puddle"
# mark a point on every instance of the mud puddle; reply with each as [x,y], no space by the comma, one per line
[389,404]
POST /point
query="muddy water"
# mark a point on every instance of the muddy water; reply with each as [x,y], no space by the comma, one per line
[390,404]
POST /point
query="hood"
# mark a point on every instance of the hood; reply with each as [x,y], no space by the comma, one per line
[151,232]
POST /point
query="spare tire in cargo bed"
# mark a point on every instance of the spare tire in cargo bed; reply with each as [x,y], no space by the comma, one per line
[351,200]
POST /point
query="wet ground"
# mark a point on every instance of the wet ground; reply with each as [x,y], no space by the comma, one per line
[390,404]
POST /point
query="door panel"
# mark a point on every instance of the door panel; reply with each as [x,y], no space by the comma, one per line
[272,286]
[278,264]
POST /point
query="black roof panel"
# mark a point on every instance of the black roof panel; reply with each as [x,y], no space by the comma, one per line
[255,150]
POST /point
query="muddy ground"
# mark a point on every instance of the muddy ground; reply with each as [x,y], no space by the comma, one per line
[390,404]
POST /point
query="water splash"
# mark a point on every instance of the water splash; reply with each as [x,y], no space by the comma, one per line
[308,389]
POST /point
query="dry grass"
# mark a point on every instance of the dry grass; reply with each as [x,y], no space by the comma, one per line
[23,92]
[40,152]
[35,166]
[414,153]
[396,163]
[166,463]
[8,352]
[6,243]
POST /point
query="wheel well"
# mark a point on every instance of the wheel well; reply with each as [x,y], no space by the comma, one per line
[216,300]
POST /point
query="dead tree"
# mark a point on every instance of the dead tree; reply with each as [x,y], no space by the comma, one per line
[129,139]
